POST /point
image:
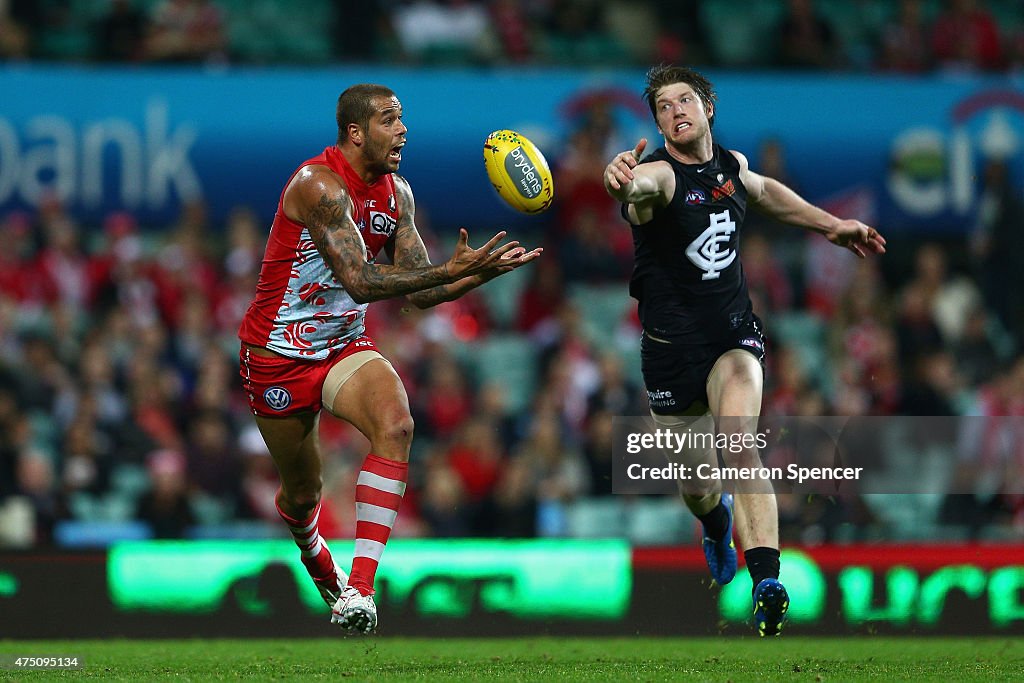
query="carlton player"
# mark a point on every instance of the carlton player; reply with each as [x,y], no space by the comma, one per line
[702,350]
[303,339]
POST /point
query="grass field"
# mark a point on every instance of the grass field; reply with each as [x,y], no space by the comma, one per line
[537,659]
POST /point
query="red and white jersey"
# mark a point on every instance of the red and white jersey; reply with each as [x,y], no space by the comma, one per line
[301,310]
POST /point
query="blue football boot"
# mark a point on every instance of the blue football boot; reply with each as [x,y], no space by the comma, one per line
[771,602]
[721,554]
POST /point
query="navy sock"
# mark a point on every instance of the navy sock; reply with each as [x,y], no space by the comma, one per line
[762,563]
[716,522]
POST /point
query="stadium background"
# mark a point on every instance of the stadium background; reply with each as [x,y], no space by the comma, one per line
[141,154]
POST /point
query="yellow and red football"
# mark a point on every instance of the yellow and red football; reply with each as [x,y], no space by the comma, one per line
[518,171]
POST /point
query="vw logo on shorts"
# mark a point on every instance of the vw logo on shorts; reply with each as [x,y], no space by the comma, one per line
[277,398]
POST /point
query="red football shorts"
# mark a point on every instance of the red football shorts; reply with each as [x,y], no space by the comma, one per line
[278,386]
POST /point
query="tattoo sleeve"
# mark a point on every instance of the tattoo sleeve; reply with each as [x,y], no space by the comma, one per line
[410,254]
[338,240]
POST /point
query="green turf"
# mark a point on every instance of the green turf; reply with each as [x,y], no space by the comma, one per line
[540,659]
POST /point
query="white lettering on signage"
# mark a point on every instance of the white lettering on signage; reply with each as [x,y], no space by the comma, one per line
[50,154]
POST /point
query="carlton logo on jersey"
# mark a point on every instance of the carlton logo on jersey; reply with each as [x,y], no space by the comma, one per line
[277,398]
[706,251]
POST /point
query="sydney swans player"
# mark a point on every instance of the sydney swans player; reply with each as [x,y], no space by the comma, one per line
[303,339]
[702,349]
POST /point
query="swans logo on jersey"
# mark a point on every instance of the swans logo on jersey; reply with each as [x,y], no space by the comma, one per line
[277,398]
[695,197]
[706,251]
[381,223]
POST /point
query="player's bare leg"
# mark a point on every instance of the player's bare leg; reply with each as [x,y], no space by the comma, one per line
[374,401]
[704,497]
[734,390]
[294,444]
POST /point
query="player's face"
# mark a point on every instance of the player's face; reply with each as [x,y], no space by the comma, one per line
[386,136]
[680,114]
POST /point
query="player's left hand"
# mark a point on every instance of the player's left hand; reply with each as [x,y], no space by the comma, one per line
[857,237]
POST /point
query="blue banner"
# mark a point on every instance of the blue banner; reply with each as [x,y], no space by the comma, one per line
[907,153]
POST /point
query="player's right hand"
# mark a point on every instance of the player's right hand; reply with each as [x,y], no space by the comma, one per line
[468,261]
[619,172]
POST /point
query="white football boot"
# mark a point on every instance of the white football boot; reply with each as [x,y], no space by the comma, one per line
[355,611]
[331,589]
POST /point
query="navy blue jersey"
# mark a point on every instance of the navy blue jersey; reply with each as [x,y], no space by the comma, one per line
[687,274]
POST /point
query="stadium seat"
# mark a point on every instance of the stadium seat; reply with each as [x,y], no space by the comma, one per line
[210,510]
[508,360]
[46,434]
[87,12]
[83,506]
[798,328]
[502,296]
[741,38]
[130,480]
[596,518]
[93,534]
[245,530]
[115,507]
[269,31]
[603,308]
[806,333]
[634,24]
[658,521]
[856,25]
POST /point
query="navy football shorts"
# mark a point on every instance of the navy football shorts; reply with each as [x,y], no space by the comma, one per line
[676,373]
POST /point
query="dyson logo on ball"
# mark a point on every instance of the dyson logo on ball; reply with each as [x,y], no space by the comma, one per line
[523,173]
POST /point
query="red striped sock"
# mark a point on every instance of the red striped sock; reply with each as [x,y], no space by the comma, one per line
[379,492]
[306,533]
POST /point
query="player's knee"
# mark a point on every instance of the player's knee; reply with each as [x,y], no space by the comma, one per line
[398,430]
[738,367]
[741,457]
[743,375]
[303,496]
[698,495]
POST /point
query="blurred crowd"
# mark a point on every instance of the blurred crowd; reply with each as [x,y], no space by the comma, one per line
[120,403]
[120,400]
[905,36]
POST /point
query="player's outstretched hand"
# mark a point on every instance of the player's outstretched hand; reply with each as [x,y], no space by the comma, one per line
[619,172]
[857,237]
[511,260]
[468,261]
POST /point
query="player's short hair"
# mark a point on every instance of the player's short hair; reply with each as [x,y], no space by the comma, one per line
[355,105]
[664,74]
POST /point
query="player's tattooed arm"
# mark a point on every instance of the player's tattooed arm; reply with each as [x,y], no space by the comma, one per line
[323,205]
[407,251]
